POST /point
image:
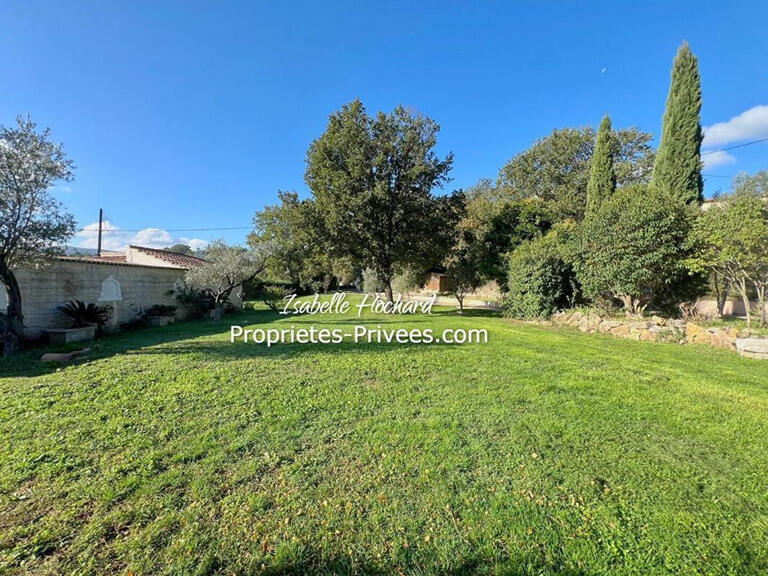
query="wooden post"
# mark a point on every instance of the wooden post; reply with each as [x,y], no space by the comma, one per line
[101,217]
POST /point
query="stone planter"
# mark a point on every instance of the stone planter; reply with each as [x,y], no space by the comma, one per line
[67,335]
[160,320]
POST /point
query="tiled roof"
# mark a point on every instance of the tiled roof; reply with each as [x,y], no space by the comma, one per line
[175,258]
[111,260]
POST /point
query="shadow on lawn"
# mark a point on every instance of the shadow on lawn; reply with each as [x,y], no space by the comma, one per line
[28,364]
[466,567]
[192,338]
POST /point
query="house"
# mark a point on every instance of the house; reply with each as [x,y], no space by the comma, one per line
[129,281]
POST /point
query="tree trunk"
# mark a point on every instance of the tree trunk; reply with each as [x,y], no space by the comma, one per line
[461,304]
[388,289]
[760,290]
[327,278]
[721,292]
[218,311]
[745,299]
[11,319]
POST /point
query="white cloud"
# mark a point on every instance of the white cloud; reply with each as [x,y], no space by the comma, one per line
[749,125]
[152,238]
[717,159]
[112,237]
[194,243]
[115,239]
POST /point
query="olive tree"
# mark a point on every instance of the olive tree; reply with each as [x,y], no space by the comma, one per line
[227,268]
[731,239]
[33,225]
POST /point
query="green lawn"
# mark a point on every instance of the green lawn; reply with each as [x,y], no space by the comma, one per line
[172,451]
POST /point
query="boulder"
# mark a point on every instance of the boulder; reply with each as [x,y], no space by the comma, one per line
[697,334]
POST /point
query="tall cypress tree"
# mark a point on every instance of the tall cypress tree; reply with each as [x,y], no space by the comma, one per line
[602,178]
[678,160]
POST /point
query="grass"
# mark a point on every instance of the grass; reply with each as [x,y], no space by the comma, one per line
[544,451]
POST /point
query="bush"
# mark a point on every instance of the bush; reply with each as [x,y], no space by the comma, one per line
[407,281]
[157,310]
[540,277]
[634,249]
[196,302]
[83,314]
[371,282]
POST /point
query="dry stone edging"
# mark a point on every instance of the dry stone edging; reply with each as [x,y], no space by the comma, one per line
[658,329]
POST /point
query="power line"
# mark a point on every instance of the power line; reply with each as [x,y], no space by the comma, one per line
[737,146]
[716,176]
[106,230]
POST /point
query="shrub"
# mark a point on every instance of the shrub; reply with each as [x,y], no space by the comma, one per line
[407,281]
[83,314]
[371,281]
[157,310]
[196,302]
[634,249]
[540,277]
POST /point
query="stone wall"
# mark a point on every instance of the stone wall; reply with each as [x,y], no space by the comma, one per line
[657,329]
[45,288]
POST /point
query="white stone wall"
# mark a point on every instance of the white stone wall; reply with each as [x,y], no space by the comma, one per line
[45,288]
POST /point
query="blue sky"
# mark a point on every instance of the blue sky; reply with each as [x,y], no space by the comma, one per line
[192,115]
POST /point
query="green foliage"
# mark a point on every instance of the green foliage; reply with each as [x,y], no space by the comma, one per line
[754,185]
[270,293]
[158,310]
[678,160]
[635,246]
[33,224]
[541,278]
[542,452]
[602,178]
[371,282]
[372,178]
[731,240]
[83,314]
[514,223]
[556,168]
[407,281]
[182,249]
[196,302]
[299,245]
[228,267]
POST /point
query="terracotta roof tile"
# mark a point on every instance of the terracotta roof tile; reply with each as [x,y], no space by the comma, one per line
[175,258]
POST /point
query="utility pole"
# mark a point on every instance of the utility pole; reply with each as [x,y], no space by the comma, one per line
[101,217]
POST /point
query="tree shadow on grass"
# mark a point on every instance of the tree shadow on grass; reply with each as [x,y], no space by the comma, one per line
[27,363]
[465,567]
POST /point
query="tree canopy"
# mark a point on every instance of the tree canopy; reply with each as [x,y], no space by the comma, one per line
[634,246]
[33,224]
[373,180]
[556,168]
[228,267]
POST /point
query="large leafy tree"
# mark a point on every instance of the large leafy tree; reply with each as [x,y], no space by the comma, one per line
[373,179]
[634,247]
[602,177]
[556,168]
[513,224]
[33,225]
[299,245]
[678,160]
